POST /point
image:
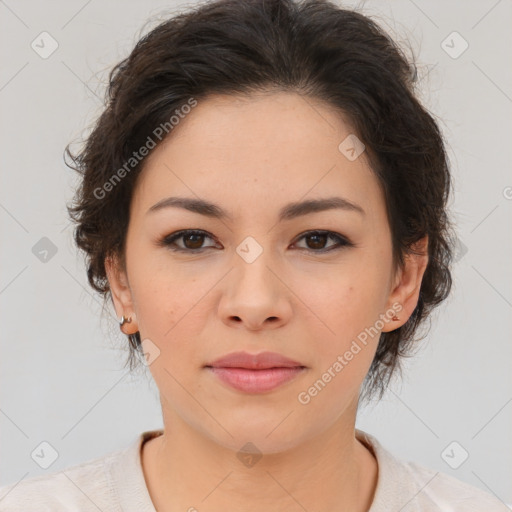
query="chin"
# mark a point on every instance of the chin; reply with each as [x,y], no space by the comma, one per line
[265,434]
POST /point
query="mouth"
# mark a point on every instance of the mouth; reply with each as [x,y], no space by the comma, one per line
[255,373]
[256,381]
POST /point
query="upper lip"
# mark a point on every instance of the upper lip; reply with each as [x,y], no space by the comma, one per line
[259,361]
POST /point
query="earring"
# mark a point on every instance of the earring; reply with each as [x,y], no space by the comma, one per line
[123,320]
[395,318]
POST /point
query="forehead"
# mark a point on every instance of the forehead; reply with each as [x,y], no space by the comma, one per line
[264,149]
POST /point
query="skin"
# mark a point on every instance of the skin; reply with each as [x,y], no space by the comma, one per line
[251,156]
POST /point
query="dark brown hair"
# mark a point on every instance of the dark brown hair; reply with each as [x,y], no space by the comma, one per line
[313,48]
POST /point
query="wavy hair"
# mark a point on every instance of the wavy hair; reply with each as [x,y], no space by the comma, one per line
[314,48]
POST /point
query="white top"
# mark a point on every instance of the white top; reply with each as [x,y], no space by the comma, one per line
[115,483]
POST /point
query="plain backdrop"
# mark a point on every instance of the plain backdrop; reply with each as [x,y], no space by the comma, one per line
[62,375]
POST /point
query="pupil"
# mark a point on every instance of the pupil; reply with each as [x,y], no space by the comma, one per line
[197,246]
[322,238]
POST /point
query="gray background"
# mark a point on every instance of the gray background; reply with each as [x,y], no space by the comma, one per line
[62,376]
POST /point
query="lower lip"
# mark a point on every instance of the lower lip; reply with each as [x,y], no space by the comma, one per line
[256,381]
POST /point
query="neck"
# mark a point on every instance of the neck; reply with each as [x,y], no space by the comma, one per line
[330,472]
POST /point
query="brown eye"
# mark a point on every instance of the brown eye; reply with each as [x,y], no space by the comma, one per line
[316,241]
[191,241]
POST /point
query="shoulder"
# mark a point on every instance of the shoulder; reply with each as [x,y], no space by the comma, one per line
[82,487]
[444,492]
[411,487]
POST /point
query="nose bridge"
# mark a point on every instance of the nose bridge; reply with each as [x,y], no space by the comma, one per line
[252,287]
[251,262]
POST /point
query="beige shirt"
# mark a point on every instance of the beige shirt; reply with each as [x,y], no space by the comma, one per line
[115,483]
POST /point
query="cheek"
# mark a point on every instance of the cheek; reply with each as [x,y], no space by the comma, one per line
[164,294]
[342,356]
[345,307]
[348,298]
[173,308]
[168,312]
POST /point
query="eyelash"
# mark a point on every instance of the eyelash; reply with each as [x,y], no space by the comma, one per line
[168,241]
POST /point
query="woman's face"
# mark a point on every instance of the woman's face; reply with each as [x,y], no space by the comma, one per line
[252,281]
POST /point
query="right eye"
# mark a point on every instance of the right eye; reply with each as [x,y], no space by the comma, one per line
[192,240]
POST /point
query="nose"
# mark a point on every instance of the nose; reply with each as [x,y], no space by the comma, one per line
[254,296]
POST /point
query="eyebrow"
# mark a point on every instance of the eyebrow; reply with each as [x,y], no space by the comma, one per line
[288,212]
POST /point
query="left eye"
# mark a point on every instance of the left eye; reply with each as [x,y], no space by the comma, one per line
[193,239]
[319,238]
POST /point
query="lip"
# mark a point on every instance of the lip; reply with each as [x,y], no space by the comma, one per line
[261,361]
[255,373]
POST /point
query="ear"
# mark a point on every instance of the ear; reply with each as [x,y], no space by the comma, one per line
[121,294]
[407,283]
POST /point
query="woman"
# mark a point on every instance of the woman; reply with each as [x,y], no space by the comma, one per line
[264,201]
